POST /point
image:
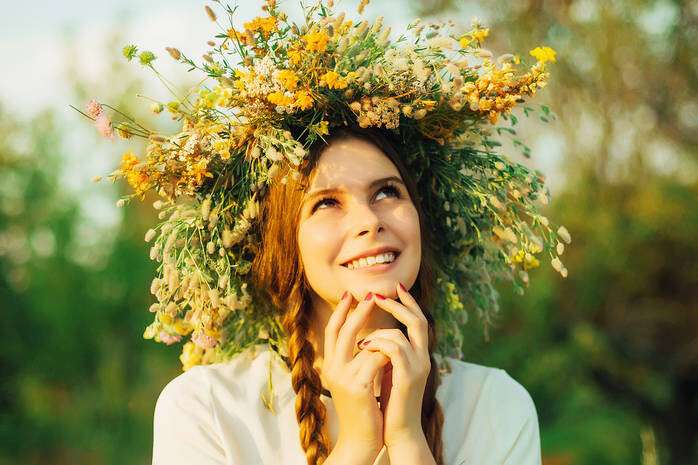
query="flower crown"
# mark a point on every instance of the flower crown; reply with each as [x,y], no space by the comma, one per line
[438,92]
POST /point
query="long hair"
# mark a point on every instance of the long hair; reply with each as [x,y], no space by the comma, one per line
[278,274]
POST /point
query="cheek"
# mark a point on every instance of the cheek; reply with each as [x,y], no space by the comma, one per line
[316,242]
[407,224]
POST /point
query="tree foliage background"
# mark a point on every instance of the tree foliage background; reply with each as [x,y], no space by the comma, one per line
[609,355]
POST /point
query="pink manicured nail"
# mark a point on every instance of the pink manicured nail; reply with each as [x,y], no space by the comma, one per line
[364,343]
[381,297]
[368,296]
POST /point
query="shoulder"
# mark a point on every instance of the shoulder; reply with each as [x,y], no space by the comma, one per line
[487,409]
[473,383]
[189,424]
[186,394]
[236,380]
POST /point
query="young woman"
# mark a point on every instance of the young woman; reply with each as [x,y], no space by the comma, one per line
[347,260]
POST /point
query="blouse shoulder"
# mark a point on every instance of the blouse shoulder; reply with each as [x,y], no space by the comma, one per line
[186,425]
[495,409]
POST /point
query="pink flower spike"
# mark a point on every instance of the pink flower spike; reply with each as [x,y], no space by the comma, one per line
[169,339]
[104,126]
[93,108]
[204,340]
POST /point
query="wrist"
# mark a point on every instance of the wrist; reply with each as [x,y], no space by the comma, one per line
[410,448]
[354,451]
[407,436]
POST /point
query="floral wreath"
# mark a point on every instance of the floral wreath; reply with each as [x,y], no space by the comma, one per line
[439,92]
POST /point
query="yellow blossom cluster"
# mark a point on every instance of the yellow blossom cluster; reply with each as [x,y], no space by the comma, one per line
[543,54]
[287,78]
[265,25]
[135,173]
[333,80]
[316,41]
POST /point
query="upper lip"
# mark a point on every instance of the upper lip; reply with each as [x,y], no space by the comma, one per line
[371,252]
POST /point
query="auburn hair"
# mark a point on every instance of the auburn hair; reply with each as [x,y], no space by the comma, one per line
[279,279]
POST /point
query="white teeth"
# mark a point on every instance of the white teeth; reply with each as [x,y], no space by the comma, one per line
[369,261]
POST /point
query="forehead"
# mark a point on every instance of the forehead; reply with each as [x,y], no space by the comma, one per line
[348,162]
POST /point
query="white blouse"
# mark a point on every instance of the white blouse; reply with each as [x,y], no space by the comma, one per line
[214,415]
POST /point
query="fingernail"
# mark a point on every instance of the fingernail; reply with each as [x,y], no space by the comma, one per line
[344,296]
[402,286]
[381,297]
[360,343]
[368,296]
[364,343]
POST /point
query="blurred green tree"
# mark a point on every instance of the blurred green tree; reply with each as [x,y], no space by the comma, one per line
[79,382]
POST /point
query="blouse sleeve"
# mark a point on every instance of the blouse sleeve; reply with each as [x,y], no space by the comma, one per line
[184,431]
[503,427]
[520,430]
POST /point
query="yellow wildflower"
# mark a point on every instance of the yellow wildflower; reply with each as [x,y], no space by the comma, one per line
[138,179]
[323,128]
[233,34]
[128,161]
[480,34]
[264,25]
[182,327]
[333,80]
[530,262]
[316,41]
[222,148]
[278,98]
[304,100]
[464,42]
[287,78]
[199,170]
[543,54]
[428,104]
[294,56]
[191,355]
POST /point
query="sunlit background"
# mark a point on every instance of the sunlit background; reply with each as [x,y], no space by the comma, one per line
[609,354]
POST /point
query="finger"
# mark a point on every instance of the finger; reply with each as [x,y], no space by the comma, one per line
[368,363]
[394,335]
[417,326]
[344,348]
[409,301]
[335,322]
[396,352]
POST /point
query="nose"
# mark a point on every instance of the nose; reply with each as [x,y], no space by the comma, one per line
[365,220]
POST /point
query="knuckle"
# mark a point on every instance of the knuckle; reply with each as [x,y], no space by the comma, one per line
[396,332]
[420,322]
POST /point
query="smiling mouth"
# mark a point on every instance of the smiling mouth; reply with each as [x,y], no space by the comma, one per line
[375,265]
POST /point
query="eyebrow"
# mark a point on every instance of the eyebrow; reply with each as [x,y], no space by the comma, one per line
[331,190]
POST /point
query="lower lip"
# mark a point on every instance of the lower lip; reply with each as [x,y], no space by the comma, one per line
[377,268]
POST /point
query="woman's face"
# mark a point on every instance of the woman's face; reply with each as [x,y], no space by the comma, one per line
[364,212]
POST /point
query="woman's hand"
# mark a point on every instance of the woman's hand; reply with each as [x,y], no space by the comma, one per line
[350,379]
[402,387]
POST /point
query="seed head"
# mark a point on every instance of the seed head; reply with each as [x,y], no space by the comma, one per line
[174,53]
[209,12]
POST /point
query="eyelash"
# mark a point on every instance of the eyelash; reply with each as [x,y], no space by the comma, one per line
[389,186]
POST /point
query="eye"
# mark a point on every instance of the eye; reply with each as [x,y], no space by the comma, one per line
[389,187]
[322,201]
